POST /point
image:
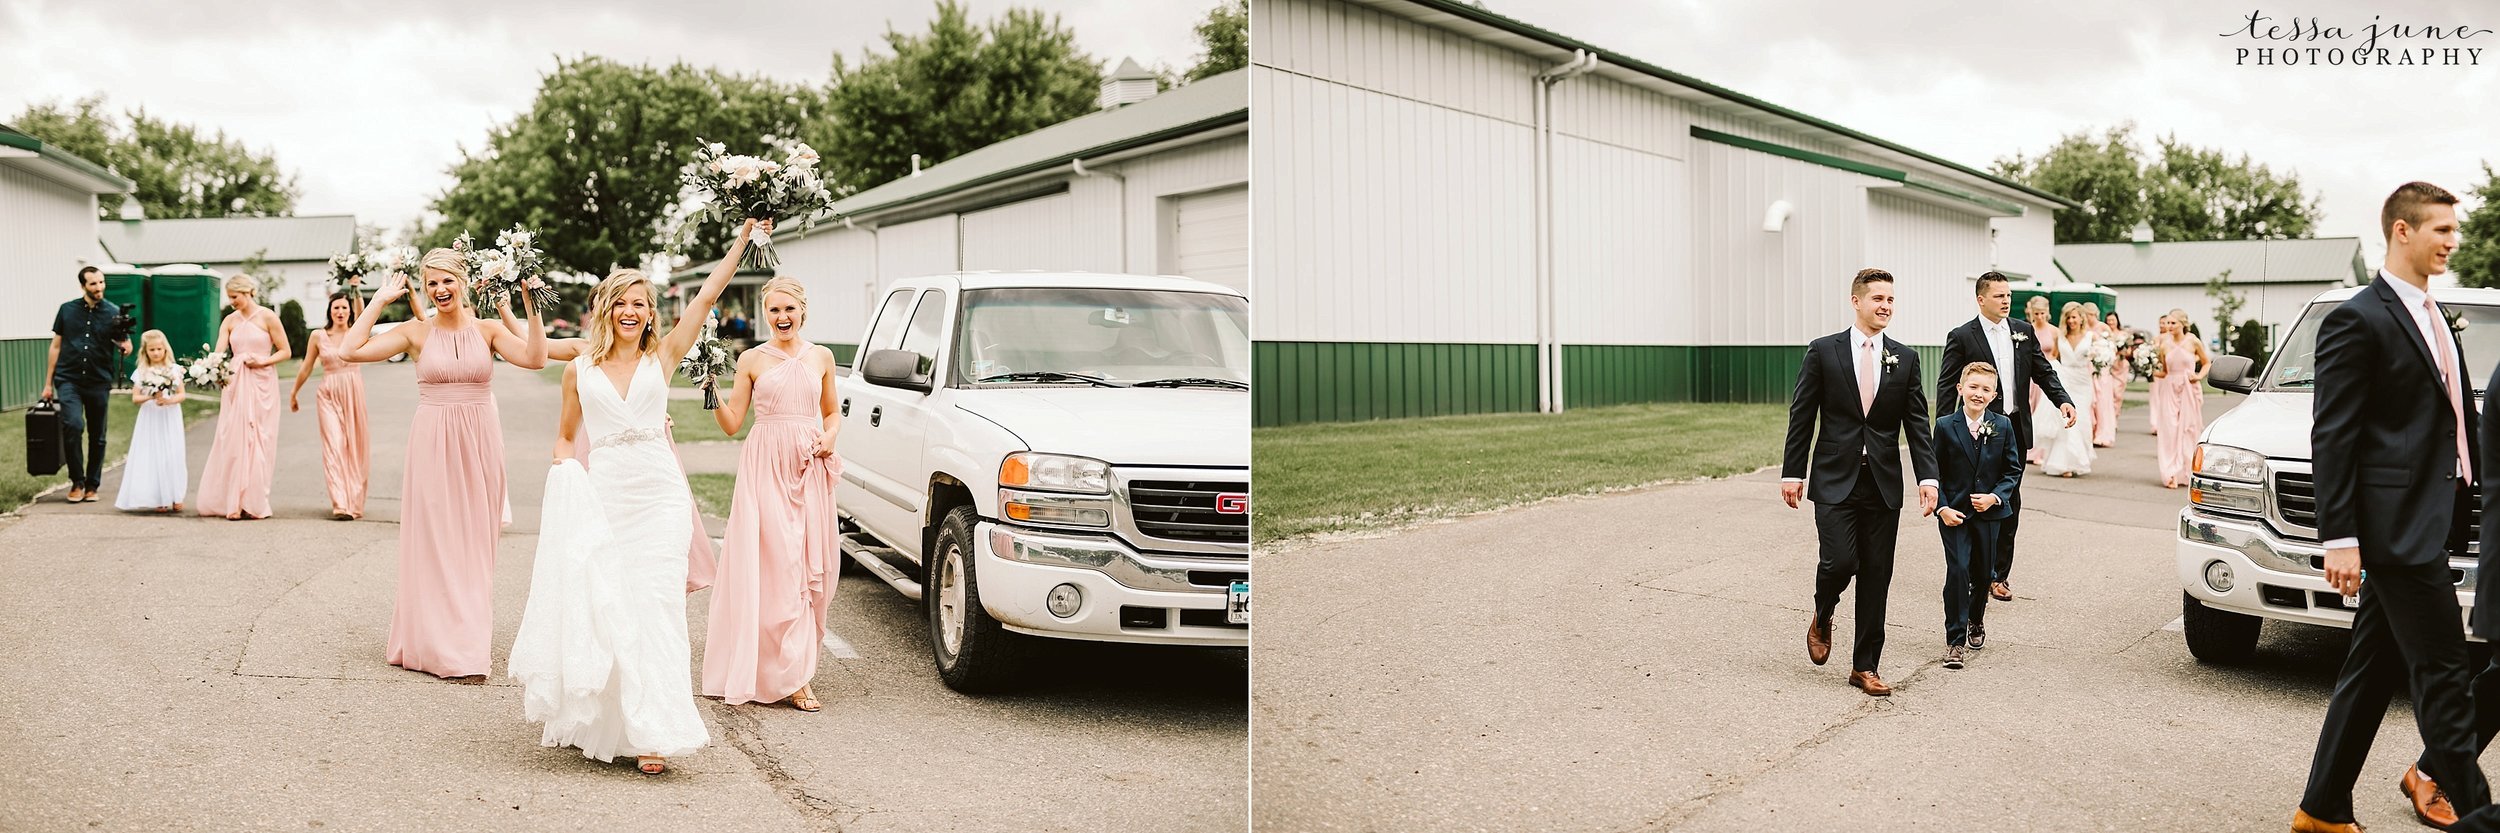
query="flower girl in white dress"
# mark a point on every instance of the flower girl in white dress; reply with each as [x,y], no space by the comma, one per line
[155,476]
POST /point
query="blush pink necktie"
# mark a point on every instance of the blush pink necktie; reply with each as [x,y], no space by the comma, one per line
[1866,378]
[2440,349]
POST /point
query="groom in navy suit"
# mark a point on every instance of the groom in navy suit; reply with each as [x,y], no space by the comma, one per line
[2010,344]
[1865,391]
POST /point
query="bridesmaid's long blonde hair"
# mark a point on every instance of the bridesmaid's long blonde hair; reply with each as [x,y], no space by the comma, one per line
[603,301]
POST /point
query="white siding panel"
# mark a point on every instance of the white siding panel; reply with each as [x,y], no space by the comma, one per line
[46,233]
[1934,255]
[1358,46]
[2028,244]
[1209,237]
[1028,234]
[1151,182]
[1622,246]
[1773,288]
[839,269]
[1616,113]
[1380,218]
[918,248]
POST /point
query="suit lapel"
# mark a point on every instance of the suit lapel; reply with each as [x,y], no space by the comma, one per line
[1849,369]
[2404,324]
[1961,435]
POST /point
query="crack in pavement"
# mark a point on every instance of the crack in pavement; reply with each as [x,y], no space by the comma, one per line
[744,733]
[244,651]
[1684,810]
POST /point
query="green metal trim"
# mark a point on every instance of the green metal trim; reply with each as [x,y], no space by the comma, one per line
[21,370]
[1800,154]
[1296,382]
[22,141]
[842,353]
[1471,12]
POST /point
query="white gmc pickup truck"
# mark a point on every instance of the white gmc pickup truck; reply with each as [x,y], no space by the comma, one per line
[2248,538]
[1060,455]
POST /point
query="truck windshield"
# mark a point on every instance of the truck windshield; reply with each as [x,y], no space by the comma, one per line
[1075,336]
[2294,367]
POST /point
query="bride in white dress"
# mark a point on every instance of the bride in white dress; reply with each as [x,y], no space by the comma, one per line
[602,655]
[2067,451]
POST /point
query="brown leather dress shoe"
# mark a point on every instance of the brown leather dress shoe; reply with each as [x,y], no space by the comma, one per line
[2430,803]
[2302,823]
[1819,641]
[2001,591]
[1874,686]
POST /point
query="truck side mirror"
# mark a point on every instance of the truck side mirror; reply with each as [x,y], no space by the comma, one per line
[2231,373]
[895,369]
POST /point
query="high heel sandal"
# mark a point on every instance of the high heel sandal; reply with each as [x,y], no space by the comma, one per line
[805,701]
[651,764]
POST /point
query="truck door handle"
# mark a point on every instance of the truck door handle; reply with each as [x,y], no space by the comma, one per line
[846,406]
[875,414]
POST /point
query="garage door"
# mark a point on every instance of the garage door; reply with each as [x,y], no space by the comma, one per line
[1211,237]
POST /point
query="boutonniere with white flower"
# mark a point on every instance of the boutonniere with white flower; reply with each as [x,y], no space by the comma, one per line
[2456,320]
[1890,359]
[2020,338]
[1987,430]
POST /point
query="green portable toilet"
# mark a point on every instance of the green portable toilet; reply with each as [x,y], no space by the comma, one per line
[2087,293]
[2024,291]
[186,301]
[127,287]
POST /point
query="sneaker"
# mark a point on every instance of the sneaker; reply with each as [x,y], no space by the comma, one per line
[1978,637]
[1953,658]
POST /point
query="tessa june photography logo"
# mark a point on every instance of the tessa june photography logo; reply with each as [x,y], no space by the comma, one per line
[2316,42]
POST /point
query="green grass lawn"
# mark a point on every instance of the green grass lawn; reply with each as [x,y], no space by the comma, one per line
[711,492]
[16,487]
[693,424]
[1347,477]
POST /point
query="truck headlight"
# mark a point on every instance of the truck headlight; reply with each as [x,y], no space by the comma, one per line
[2223,462]
[1055,473]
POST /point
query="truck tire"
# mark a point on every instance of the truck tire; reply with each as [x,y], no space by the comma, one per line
[2218,637]
[974,653]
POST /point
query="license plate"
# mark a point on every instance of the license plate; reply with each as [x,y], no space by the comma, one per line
[1237,603]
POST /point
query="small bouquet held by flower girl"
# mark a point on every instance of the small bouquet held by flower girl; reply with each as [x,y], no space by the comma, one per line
[157,380]
[719,185]
[708,363]
[210,371]
[514,266]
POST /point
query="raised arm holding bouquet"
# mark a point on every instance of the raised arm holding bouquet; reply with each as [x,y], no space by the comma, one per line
[719,185]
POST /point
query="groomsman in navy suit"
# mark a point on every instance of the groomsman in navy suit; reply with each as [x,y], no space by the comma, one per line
[1866,392]
[1977,467]
[2010,344]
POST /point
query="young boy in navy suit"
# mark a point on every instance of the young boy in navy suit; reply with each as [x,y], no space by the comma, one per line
[1978,462]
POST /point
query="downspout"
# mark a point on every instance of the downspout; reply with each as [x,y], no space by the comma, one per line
[1548,341]
[1078,166]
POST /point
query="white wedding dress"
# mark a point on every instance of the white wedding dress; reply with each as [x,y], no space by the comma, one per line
[2066,450]
[602,655]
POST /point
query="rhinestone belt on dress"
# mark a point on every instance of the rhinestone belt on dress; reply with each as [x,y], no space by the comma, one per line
[633,435]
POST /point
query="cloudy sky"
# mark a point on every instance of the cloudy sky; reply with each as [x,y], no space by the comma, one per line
[1974,82]
[369,102]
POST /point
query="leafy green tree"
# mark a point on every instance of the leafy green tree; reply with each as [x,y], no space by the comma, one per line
[2227,302]
[1225,37]
[954,89]
[257,266]
[592,166]
[179,170]
[2185,192]
[2250,341]
[2477,260]
[291,318]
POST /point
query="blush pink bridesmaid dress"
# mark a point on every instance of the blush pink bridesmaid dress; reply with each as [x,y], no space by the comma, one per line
[344,444]
[451,512]
[2183,400]
[244,457]
[778,560]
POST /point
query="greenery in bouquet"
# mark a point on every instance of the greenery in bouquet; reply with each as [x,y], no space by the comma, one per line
[210,371]
[503,272]
[708,363]
[733,188]
[157,381]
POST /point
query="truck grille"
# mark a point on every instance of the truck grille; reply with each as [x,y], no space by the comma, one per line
[1184,510]
[2296,504]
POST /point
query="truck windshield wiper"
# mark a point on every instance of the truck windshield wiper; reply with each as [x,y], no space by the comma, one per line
[1048,376]
[1193,382]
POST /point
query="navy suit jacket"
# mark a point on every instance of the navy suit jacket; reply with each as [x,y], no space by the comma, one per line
[1991,465]
[2383,447]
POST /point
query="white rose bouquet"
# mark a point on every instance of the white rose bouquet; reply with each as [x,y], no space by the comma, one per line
[2101,353]
[513,266]
[2147,360]
[708,363]
[155,381]
[213,370]
[719,185]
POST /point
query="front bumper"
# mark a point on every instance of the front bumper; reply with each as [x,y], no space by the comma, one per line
[1128,596]
[2272,576]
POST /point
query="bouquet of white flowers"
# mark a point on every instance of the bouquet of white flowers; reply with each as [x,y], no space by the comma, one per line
[155,381]
[708,363]
[2102,353]
[719,185]
[2147,360]
[210,371]
[515,265]
[347,269]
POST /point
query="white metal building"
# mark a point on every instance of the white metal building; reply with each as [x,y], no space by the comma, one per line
[296,249]
[1157,185]
[47,232]
[1458,212]
[2276,277]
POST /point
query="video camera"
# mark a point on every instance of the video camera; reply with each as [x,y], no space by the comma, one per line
[124,325]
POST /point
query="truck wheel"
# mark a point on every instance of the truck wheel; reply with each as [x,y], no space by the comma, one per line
[2218,637]
[974,654]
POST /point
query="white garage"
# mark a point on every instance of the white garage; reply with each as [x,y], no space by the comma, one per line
[47,233]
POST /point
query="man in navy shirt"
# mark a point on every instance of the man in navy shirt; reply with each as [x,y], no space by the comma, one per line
[81,366]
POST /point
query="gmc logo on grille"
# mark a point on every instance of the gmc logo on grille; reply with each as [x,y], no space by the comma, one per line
[1232,504]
